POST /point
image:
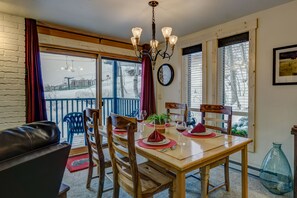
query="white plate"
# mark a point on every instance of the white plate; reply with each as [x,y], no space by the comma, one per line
[205,133]
[163,142]
[119,130]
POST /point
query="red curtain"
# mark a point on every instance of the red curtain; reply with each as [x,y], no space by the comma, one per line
[147,99]
[35,103]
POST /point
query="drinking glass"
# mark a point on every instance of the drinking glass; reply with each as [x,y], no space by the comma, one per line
[143,112]
[181,127]
[140,117]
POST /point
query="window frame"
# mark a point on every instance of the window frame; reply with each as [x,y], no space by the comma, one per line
[251,83]
[185,88]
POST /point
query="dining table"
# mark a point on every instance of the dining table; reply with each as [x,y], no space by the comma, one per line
[191,153]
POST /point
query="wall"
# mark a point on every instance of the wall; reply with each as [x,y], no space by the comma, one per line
[276,106]
[12,71]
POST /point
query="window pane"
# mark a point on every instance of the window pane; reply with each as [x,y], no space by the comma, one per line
[121,85]
[69,86]
[107,78]
[239,126]
[128,79]
[194,64]
[233,77]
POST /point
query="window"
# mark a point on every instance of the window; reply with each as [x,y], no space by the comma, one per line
[192,60]
[121,85]
[233,79]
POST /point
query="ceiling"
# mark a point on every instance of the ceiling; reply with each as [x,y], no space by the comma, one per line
[115,18]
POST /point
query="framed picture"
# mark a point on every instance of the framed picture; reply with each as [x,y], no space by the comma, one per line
[285,65]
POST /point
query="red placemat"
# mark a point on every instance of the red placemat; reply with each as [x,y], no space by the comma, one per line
[213,134]
[143,145]
[119,131]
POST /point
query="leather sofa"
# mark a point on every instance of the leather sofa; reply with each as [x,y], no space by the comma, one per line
[32,161]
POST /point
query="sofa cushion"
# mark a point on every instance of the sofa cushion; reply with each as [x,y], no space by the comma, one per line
[19,140]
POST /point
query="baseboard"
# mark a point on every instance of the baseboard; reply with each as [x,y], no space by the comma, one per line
[252,171]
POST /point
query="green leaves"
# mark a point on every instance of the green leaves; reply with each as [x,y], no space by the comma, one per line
[158,118]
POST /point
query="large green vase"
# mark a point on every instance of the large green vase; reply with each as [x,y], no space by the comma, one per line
[275,173]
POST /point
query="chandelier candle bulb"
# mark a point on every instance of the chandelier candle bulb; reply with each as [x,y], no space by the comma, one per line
[173,40]
[154,44]
[166,31]
[133,41]
[136,32]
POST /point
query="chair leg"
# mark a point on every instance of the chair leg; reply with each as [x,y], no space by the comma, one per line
[68,137]
[90,173]
[71,138]
[116,186]
[226,169]
[101,173]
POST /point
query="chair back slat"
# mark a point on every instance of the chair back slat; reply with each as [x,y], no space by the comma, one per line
[217,120]
[173,108]
[91,124]
[216,117]
[125,173]
[120,150]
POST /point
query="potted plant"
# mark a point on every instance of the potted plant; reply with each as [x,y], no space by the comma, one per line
[159,121]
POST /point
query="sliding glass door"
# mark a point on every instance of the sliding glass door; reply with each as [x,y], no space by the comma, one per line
[70,85]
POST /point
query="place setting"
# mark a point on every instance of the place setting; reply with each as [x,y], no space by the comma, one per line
[156,141]
[199,131]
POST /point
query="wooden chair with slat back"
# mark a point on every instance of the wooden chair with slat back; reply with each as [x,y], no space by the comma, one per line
[139,180]
[95,149]
[219,118]
[172,108]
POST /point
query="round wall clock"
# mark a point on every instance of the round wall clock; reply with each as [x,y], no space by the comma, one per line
[165,74]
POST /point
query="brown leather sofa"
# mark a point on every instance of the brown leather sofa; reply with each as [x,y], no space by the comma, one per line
[32,161]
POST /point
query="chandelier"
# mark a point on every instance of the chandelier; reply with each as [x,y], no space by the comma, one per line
[153,52]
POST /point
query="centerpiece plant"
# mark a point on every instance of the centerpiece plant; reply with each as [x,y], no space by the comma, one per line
[159,120]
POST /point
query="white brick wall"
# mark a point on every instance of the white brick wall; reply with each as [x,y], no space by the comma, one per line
[12,71]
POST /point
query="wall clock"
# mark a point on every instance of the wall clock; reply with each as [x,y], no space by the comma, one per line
[165,74]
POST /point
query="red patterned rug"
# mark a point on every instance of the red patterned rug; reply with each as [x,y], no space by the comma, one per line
[77,163]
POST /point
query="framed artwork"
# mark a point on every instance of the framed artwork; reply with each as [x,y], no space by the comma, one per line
[285,65]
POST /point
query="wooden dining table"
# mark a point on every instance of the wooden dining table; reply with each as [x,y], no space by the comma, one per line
[194,153]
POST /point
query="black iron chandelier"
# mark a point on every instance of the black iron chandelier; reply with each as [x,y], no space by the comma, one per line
[153,52]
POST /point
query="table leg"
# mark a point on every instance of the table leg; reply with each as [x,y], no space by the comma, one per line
[244,172]
[204,181]
[180,188]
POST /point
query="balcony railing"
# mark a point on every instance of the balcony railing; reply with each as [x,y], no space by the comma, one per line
[59,107]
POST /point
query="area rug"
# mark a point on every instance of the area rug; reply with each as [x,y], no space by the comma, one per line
[77,163]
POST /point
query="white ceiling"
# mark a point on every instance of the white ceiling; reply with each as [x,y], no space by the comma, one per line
[116,17]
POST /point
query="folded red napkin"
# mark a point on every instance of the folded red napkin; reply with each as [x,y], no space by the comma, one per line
[155,137]
[200,128]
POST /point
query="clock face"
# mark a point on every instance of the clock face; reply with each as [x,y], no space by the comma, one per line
[165,74]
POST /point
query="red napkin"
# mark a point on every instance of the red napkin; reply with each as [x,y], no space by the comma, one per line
[200,128]
[155,137]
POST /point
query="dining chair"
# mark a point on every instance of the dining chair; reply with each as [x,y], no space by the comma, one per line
[218,118]
[95,149]
[173,108]
[138,180]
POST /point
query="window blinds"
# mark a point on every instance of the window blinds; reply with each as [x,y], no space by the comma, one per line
[192,57]
[233,72]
